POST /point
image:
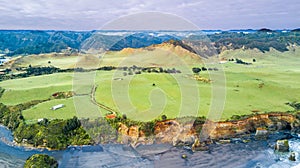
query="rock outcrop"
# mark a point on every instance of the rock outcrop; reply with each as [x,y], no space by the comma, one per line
[176,133]
[261,133]
[282,146]
[292,156]
[274,121]
[132,135]
[171,131]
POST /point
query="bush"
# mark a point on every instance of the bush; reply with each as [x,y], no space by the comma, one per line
[41,160]
[196,70]
[55,134]
[163,117]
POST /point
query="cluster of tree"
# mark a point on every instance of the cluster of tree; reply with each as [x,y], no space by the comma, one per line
[54,134]
[30,71]
[41,160]
[107,68]
[100,130]
[10,118]
[231,59]
[197,70]
[139,70]
[239,61]
[36,71]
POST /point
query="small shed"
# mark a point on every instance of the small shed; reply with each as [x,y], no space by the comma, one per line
[40,119]
[57,107]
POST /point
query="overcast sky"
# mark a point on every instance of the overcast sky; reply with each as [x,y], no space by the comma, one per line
[94,14]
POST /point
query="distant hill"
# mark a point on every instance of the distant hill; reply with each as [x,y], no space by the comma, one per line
[208,43]
[139,40]
[265,30]
[170,53]
[36,42]
[296,30]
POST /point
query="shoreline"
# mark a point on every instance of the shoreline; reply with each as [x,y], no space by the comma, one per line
[222,133]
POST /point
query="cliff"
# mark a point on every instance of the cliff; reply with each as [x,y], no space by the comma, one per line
[176,133]
[271,121]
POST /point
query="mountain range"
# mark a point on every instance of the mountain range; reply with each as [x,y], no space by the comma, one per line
[26,42]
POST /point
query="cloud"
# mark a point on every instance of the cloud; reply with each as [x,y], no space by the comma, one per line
[92,14]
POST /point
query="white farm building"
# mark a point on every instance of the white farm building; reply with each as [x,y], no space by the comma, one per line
[57,107]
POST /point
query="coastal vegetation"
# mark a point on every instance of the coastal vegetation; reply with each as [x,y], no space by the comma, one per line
[41,160]
[54,134]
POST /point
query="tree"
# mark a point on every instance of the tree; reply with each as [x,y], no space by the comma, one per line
[254,60]
[124,116]
[196,70]
[72,124]
[44,122]
[41,160]
[164,117]
[49,62]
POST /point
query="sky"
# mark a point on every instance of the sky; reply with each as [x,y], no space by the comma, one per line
[109,14]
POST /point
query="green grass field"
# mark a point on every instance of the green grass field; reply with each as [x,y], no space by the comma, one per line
[136,96]
[264,86]
[35,88]
[43,110]
[56,60]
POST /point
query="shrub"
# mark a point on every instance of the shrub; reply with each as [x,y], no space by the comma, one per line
[41,160]
[196,70]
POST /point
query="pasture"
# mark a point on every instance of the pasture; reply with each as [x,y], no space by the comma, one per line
[264,86]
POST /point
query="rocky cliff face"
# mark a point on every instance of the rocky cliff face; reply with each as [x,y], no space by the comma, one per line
[171,131]
[271,121]
[176,133]
[132,135]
